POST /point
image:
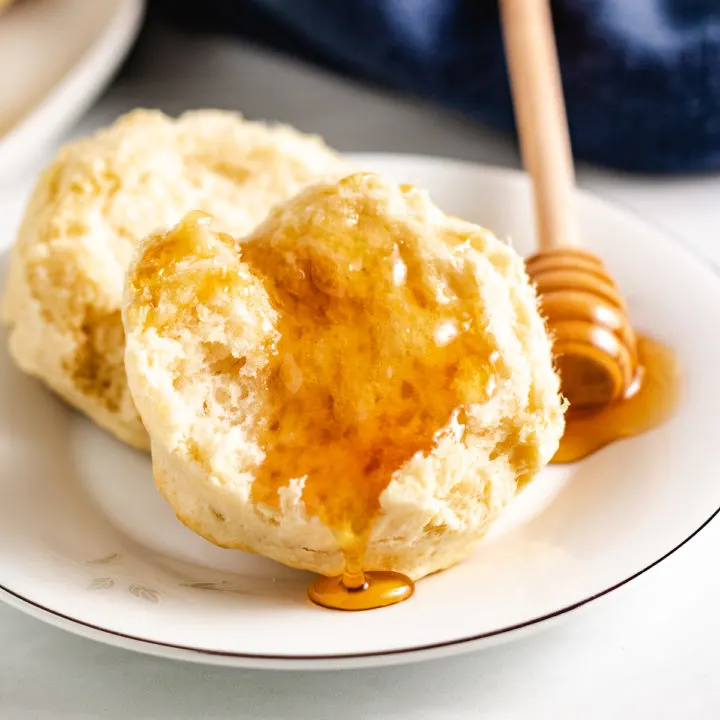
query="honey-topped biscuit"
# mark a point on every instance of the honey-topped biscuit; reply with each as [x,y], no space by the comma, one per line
[362,378]
[91,207]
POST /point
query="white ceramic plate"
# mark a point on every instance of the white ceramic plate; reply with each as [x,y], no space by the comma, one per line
[87,544]
[55,58]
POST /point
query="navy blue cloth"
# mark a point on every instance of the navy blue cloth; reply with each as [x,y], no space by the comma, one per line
[641,77]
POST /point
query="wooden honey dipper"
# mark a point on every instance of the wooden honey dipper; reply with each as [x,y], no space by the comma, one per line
[594,344]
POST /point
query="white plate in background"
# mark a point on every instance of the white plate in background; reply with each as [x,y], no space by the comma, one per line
[56,56]
[87,544]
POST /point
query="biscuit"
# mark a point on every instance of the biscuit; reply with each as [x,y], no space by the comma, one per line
[93,204]
[361,362]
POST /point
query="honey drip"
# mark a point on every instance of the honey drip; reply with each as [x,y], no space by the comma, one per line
[378,589]
[356,589]
[651,401]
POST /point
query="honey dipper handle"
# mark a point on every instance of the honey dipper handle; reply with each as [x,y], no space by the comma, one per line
[540,117]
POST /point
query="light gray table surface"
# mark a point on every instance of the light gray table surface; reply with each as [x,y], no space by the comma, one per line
[650,650]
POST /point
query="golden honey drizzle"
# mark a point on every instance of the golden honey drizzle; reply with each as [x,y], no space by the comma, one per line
[376,354]
[652,400]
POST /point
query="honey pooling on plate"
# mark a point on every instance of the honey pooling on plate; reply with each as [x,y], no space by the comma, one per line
[375,358]
[651,401]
